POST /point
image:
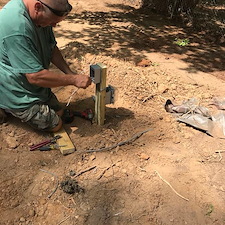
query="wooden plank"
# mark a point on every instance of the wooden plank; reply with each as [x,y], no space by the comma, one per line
[65,141]
[100,94]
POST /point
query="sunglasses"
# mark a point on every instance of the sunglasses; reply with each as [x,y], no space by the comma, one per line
[58,12]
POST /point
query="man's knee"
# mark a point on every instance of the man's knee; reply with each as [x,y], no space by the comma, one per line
[40,117]
[45,119]
[58,127]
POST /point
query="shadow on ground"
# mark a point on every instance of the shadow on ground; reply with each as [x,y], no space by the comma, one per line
[130,35]
[114,118]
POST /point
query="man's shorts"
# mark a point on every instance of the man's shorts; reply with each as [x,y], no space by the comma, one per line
[41,116]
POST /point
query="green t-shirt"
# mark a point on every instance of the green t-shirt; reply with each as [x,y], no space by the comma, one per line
[24,48]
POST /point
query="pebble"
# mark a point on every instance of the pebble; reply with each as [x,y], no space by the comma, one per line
[32,212]
[72,173]
[41,212]
[14,203]
[12,133]
[144,63]
[176,140]
[162,88]
[206,95]
[168,119]
[187,135]
[12,142]
[92,157]
[144,156]
[22,219]
[173,86]
[117,148]
[42,201]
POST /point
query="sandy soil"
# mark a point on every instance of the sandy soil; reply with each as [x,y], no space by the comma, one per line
[173,174]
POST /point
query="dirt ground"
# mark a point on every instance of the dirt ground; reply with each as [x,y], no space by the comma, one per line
[172,174]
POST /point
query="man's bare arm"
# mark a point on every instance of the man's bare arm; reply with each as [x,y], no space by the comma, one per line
[59,61]
[46,78]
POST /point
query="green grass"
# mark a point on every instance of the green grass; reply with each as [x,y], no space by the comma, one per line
[181,42]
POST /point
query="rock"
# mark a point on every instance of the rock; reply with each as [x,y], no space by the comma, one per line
[41,211]
[162,88]
[22,219]
[32,212]
[42,201]
[160,137]
[176,140]
[72,173]
[168,119]
[187,135]
[206,95]
[12,142]
[12,134]
[144,156]
[92,157]
[14,203]
[144,63]
[173,86]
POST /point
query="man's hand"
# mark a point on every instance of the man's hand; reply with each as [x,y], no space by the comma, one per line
[82,81]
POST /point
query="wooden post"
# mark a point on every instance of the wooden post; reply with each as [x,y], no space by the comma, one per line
[100,93]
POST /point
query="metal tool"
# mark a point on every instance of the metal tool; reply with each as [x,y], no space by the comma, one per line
[95,73]
[110,94]
[51,147]
[86,114]
[68,115]
[47,142]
